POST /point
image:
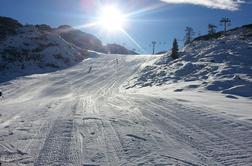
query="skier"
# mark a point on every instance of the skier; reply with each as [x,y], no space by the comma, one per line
[90,68]
[117,62]
[1,95]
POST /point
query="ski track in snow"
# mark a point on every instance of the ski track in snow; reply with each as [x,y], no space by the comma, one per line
[73,117]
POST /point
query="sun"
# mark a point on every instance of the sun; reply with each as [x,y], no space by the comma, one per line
[111,19]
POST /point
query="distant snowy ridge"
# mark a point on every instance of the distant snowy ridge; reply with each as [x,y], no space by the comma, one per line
[29,49]
[223,64]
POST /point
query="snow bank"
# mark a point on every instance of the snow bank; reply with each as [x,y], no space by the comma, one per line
[222,65]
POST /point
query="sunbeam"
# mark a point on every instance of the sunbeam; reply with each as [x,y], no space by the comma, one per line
[133,40]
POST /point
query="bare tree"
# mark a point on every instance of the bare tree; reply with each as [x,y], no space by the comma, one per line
[189,33]
[211,29]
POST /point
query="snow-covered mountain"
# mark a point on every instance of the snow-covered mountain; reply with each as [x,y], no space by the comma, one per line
[28,49]
[222,64]
[80,38]
[79,116]
[118,49]
[90,42]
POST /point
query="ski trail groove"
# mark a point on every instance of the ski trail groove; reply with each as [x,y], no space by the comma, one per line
[56,149]
[79,118]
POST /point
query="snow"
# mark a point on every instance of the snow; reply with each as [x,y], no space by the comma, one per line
[33,50]
[72,117]
[221,65]
[143,110]
[231,105]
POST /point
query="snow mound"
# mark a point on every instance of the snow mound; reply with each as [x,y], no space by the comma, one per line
[222,64]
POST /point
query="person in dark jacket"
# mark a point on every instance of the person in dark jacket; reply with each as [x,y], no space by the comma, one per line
[1,94]
[90,69]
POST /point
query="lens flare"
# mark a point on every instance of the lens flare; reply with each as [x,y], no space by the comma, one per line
[111,19]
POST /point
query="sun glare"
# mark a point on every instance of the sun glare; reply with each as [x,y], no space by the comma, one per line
[111,19]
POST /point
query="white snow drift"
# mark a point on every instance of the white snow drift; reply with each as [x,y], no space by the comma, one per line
[221,65]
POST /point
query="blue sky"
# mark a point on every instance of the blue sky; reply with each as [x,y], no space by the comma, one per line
[152,19]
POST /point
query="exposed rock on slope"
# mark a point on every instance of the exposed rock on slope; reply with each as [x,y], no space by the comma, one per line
[8,26]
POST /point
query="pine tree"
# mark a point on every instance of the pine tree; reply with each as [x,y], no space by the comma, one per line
[175,49]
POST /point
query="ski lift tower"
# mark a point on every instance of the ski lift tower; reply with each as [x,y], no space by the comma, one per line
[153,46]
[225,22]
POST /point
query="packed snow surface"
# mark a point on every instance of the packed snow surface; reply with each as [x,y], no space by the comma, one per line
[76,117]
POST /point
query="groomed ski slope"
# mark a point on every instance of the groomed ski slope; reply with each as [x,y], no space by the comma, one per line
[72,117]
